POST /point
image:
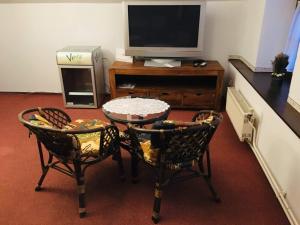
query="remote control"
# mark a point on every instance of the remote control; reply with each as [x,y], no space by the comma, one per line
[199,62]
[203,64]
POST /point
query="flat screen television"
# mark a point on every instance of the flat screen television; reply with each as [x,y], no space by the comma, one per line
[161,29]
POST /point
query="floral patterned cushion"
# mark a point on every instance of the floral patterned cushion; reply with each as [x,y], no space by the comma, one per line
[150,154]
[207,119]
[89,142]
[38,120]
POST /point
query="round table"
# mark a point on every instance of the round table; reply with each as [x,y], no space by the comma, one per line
[138,111]
[135,110]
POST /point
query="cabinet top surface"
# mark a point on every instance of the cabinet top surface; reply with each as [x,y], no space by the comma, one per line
[185,65]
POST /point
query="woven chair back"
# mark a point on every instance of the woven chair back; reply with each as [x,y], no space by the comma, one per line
[185,145]
[63,143]
[179,145]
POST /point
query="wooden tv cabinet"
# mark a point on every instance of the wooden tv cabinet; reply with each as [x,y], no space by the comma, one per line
[181,87]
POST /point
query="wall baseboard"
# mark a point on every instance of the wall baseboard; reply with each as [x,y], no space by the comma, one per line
[281,195]
[29,92]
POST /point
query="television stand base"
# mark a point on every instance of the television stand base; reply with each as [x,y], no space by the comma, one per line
[162,63]
[181,87]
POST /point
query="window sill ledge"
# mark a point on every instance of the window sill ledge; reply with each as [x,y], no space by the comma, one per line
[274,92]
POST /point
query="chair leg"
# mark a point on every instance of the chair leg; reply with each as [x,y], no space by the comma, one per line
[81,188]
[45,171]
[118,157]
[45,168]
[212,190]
[158,195]
[207,175]
[157,203]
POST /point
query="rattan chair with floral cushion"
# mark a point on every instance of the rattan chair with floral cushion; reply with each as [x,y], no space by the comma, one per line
[175,147]
[72,146]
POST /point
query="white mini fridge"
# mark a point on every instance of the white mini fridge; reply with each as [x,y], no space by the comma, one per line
[81,76]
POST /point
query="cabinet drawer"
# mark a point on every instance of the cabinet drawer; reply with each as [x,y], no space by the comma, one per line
[131,92]
[172,98]
[206,99]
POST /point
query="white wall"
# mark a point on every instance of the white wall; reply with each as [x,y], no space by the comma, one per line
[223,29]
[252,20]
[277,18]
[277,143]
[294,93]
[265,29]
[32,32]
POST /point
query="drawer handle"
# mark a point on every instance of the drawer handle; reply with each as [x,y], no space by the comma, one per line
[198,94]
[164,93]
[130,92]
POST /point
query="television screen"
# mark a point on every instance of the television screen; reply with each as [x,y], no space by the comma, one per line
[163,25]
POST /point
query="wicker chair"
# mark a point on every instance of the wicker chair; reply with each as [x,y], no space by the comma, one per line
[175,147]
[69,144]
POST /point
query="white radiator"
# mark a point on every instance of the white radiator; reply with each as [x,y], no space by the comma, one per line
[240,114]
